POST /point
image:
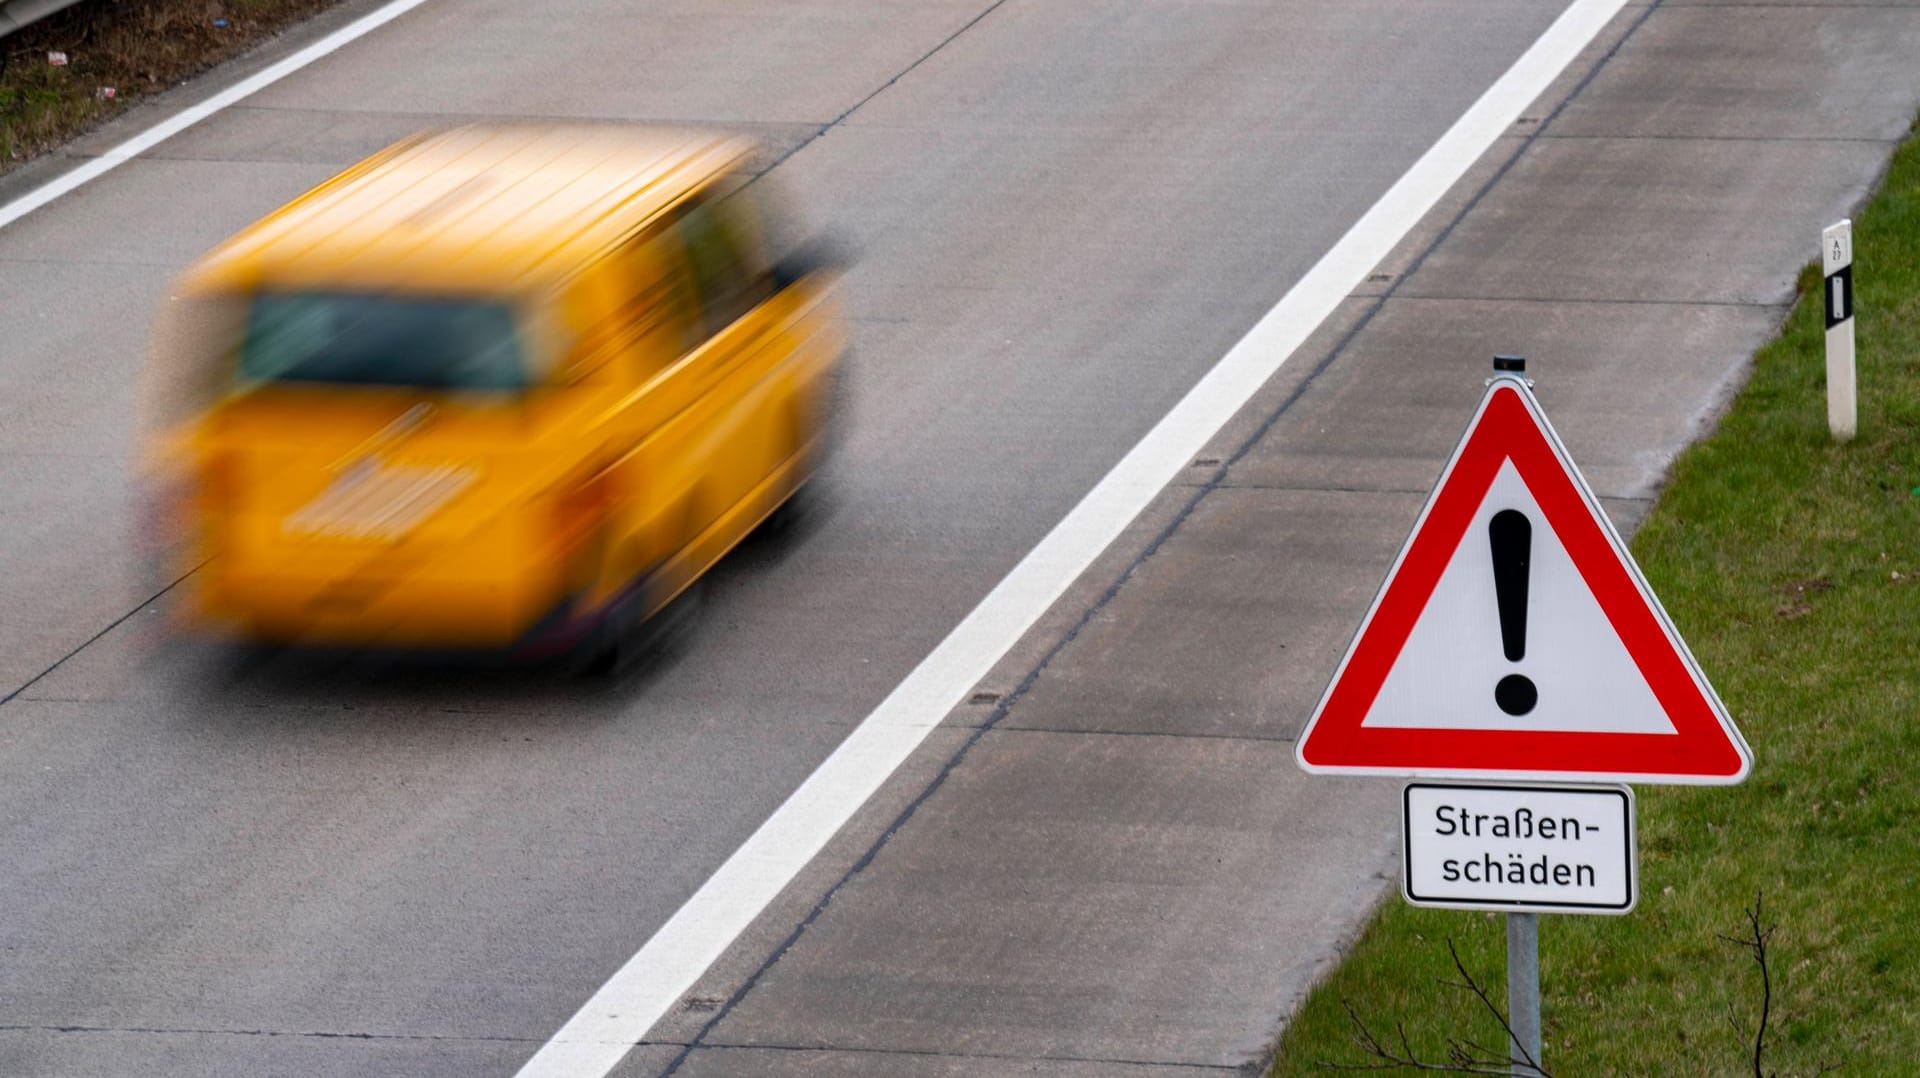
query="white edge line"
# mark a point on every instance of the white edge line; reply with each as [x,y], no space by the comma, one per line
[643,990]
[193,114]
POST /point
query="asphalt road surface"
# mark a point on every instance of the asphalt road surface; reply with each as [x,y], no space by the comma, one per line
[228,862]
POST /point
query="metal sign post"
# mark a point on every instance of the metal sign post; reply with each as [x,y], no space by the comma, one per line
[1513,651]
[1527,849]
[1523,992]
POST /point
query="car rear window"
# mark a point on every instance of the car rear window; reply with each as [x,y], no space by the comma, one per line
[350,338]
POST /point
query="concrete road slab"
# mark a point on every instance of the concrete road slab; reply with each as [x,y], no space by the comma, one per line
[56,378]
[1231,631]
[1493,165]
[790,63]
[336,138]
[963,374]
[1121,217]
[1065,871]
[1387,414]
[293,136]
[63,522]
[829,1063]
[374,850]
[1654,220]
[1412,250]
[771,932]
[1746,72]
[243,1053]
[1790,3]
[1259,70]
[156,213]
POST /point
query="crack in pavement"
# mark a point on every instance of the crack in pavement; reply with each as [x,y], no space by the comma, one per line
[91,640]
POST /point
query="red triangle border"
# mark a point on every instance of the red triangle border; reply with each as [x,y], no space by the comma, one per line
[1704,748]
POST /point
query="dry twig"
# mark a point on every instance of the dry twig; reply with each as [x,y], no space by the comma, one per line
[1755,943]
[1463,1056]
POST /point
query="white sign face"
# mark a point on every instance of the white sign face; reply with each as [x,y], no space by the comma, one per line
[1836,247]
[1538,849]
[1582,675]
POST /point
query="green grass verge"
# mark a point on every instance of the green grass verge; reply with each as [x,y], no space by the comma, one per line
[1789,565]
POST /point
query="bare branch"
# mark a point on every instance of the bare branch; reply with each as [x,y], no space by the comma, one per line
[1386,1059]
[1474,987]
[1755,943]
[1462,1056]
[1759,934]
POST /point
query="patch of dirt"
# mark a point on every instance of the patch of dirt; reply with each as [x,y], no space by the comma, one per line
[70,71]
[1796,592]
[1796,589]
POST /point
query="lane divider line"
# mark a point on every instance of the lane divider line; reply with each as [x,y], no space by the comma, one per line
[146,140]
[651,983]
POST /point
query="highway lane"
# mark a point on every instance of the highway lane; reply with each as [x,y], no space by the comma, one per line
[271,864]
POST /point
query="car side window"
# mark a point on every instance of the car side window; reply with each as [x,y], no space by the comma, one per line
[728,271]
[630,305]
[659,310]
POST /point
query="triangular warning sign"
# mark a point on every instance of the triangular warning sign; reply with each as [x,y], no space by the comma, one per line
[1514,637]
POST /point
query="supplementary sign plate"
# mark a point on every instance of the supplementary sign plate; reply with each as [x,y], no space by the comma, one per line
[1519,848]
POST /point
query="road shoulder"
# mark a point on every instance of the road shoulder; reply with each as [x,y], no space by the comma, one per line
[1112,859]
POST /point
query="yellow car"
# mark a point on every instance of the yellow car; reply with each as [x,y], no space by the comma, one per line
[501,387]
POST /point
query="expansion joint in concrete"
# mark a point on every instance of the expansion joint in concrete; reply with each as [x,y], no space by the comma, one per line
[1173,735]
[1593,301]
[1739,5]
[1322,488]
[916,1053]
[17,261]
[322,1035]
[1548,136]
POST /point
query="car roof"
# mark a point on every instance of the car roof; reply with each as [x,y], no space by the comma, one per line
[485,208]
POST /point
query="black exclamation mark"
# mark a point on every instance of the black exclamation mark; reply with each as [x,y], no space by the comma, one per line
[1511,536]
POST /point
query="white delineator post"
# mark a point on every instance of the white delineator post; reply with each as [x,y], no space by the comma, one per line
[1836,262]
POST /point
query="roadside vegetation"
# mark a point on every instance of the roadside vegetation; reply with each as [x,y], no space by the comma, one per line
[1788,563]
[82,65]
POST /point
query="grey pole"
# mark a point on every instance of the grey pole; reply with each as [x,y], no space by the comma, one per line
[1523,930]
[1523,992]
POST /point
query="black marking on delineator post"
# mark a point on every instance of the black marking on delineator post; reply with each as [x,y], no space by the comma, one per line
[1839,295]
[1510,534]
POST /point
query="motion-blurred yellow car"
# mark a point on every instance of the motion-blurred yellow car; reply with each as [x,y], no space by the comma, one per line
[501,387]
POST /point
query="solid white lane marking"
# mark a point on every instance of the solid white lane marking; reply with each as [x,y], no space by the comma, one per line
[193,114]
[651,982]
